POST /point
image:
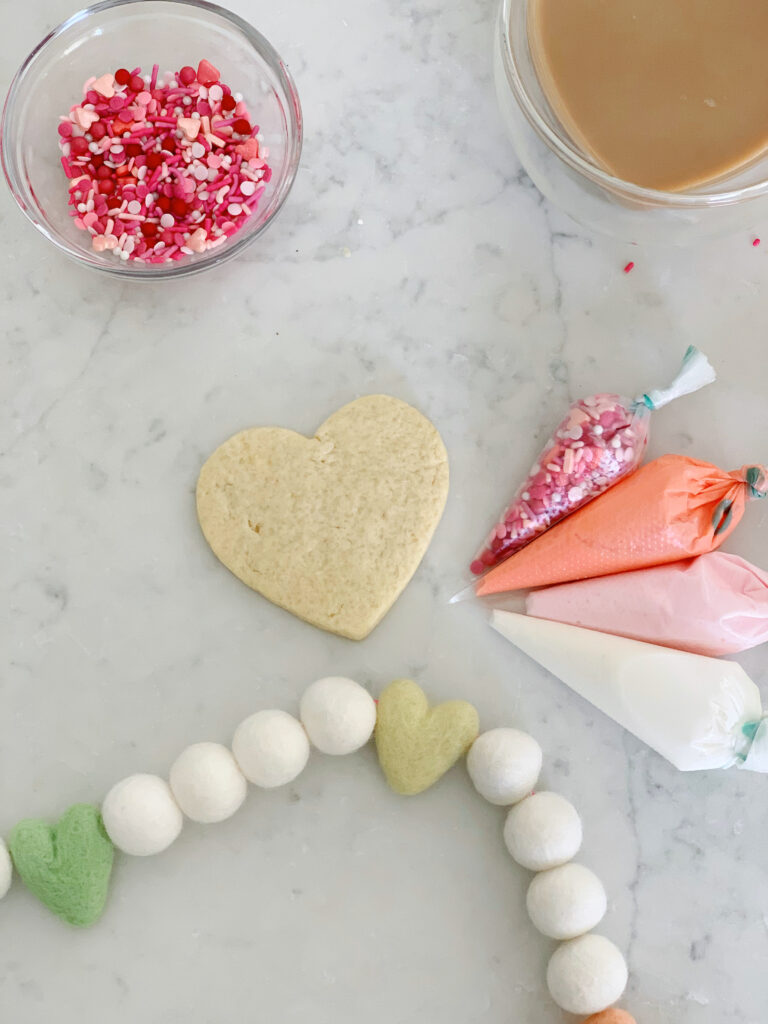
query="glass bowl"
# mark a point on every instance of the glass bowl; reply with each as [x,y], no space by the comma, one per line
[126,33]
[593,197]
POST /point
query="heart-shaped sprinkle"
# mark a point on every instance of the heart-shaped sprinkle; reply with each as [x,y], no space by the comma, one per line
[330,527]
[417,744]
[67,865]
[190,126]
[248,150]
[104,86]
[207,74]
[197,240]
[84,118]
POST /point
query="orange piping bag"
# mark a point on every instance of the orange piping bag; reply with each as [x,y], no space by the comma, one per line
[672,508]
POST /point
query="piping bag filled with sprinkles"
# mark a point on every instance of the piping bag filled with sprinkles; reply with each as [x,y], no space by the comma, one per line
[672,508]
[600,441]
[695,711]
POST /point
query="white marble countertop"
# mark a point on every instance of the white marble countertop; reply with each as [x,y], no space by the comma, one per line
[413,258]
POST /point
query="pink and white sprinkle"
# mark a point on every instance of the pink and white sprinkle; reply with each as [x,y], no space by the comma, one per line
[162,167]
[600,441]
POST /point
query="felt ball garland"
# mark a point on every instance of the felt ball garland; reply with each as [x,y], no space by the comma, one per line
[271,748]
[68,865]
[338,715]
[543,831]
[207,783]
[141,816]
[566,901]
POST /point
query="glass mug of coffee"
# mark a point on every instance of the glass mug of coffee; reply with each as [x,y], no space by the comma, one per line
[648,122]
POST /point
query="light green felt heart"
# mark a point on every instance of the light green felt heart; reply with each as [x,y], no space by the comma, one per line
[67,865]
[418,744]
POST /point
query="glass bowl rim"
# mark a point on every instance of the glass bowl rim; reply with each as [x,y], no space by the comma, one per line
[571,156]
[156,272]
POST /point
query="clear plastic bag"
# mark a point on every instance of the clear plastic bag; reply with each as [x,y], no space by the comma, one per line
[600,441]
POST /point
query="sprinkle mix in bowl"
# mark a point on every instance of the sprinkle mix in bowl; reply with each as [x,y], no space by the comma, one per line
[161,168]
[154,172]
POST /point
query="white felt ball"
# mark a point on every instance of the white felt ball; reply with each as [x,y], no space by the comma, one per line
[338,714]
[271,748]
[140,815]
[6,869]
[504,765]
[207,783]
[567,901]
[543,831]
[586,975]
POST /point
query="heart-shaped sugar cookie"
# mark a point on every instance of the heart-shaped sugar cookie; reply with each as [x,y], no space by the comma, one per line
[330,527]
[67,865]
[417,744]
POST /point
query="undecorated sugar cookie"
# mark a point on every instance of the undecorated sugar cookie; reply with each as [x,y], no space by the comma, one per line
[330,527]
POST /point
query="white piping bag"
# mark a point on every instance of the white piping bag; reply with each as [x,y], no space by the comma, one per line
[695,711]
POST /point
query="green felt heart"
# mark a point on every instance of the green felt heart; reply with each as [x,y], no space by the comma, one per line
[67,865]
[417,744]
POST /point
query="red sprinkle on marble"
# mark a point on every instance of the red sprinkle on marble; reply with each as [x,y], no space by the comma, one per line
[629,267]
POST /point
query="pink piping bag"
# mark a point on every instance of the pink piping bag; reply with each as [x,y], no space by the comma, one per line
[715,604]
